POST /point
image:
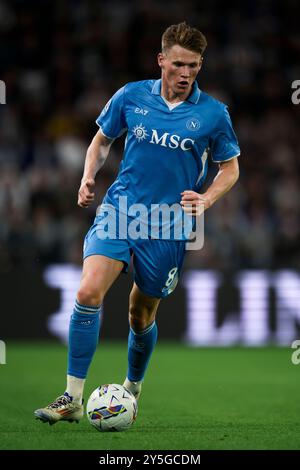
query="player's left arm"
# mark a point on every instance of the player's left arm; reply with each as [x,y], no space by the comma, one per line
[194,203]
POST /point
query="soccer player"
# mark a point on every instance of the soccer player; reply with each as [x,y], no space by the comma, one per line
[171,129]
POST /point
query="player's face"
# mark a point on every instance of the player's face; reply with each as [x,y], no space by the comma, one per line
[179,68]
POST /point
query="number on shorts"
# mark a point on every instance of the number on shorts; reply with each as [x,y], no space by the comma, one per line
[172,273]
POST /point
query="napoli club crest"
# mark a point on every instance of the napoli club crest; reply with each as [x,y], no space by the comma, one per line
[193,124]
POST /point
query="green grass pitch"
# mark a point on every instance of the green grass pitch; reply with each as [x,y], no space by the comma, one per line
[193,398]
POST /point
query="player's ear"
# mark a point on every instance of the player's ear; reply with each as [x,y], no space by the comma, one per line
[160,59]
[200,64]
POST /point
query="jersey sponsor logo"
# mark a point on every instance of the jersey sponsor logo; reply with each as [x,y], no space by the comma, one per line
[142,111]
[140,132]
[173,141]
[193,124]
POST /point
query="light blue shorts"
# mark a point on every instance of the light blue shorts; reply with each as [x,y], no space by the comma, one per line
[156,263]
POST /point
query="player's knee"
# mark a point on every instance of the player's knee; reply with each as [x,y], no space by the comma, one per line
[89,296]
[140,317]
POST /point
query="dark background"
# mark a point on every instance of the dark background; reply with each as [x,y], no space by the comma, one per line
[61,62]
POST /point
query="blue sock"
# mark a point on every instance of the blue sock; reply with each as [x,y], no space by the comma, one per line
[83,339]
[140,347]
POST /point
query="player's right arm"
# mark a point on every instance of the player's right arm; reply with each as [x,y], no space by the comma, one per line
[112,124]
[96,155]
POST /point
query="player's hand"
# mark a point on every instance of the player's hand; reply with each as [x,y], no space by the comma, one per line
[194,203]
[86,193]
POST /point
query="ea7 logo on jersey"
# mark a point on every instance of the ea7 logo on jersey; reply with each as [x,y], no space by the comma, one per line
[141,111]
[172,141]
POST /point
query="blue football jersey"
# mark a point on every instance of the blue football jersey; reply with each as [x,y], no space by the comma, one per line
[165,150]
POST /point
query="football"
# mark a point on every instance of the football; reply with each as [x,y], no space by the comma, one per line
[111,407]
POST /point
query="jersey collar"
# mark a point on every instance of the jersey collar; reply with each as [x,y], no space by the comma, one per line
[193,98]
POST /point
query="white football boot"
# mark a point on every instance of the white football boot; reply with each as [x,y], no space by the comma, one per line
[62,409]
[134,387]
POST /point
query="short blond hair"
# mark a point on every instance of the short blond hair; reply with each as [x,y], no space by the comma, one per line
[185,36]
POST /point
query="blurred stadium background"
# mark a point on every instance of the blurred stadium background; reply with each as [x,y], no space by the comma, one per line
[61,61]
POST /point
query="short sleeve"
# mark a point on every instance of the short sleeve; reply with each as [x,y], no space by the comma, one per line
[112,118]
[224,145]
